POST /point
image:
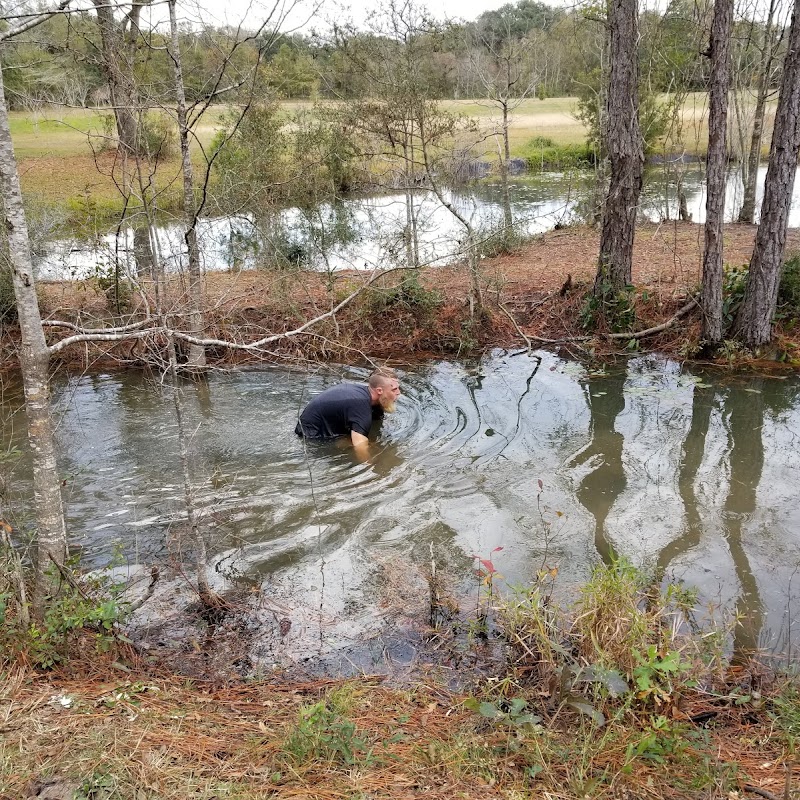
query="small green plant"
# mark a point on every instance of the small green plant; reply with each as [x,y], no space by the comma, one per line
[663,739]
[80,606]
[617,309]
[324,734]
[512,712]
[654,674]
[789,288]
[734,282]
[99,786]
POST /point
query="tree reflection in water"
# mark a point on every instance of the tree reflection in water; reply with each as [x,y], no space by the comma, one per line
[600,488]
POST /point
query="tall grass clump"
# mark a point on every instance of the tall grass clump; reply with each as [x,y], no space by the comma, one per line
[624,643]
[543,153]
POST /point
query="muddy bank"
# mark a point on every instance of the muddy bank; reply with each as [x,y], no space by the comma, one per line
[409,316]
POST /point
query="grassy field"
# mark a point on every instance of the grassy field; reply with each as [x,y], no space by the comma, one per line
[62,160]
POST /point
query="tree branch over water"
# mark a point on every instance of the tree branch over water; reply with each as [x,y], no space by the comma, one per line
[128,332]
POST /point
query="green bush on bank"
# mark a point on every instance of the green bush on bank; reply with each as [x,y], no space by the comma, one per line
[543,153]
[8,306]
[80,608]
[789,287]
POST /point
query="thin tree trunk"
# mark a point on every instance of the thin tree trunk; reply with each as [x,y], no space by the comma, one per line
[754,322]
[208,597]
[508,219]
[119,78]
[715,172]
[34,362]
[197,355]
[748,210]
[625,152]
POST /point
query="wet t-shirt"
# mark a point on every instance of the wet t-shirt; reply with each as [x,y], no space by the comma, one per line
[337,411]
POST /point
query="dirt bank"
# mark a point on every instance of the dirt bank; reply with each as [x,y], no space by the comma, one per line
[430,317]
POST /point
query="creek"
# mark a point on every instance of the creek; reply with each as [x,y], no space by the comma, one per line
[694,474]
[367,232]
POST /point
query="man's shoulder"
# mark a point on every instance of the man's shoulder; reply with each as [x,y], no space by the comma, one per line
[346,391]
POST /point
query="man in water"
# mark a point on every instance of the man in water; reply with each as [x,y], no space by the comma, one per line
[348,409]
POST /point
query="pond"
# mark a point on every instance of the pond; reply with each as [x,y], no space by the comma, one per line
[367,232]
[692,474]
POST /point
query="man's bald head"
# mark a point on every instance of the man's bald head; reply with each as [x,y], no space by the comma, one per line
[384,389]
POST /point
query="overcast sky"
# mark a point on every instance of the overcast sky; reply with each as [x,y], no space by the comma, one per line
[313,14]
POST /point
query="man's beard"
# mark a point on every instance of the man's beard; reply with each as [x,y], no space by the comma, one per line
[388,405]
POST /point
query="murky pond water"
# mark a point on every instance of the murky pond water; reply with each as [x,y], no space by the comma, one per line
[696,475]
[367,232]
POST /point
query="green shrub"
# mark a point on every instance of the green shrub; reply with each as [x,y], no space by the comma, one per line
[8,305]
[157,136]
[542,153]
[498,240]
[409,294]
[617,309]
[789,288]
[734,282]
[82,606]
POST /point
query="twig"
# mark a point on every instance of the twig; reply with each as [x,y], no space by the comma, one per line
[761,792]
[519,330]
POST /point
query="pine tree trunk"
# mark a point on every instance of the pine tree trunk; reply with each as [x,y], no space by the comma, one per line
[754,322]
[716,162]
[625,152]
[197,355]
[34,361]
[748,210]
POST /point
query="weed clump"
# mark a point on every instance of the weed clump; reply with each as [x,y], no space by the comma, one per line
[625,645]
[543,153]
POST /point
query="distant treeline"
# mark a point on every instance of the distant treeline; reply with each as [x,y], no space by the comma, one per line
[564,53]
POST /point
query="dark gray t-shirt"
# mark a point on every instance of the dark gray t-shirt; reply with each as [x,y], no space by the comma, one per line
[337,411]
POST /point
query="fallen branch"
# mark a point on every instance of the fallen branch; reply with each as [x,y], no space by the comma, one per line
[155,574]
[519,330]
[761,792]
[129,331]
[679,314]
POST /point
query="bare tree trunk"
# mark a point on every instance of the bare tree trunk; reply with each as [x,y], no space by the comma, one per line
[34,362]
[508,219]
[197,355]
[208,597]
[715,172]
[117,67]
[625,152]
[754,322]
[748,210]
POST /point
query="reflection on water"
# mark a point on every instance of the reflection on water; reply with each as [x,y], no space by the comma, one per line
[602,456]
[368,232]
[744,420]
[692,477]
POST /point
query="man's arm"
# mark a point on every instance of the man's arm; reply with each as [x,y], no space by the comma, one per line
[360,442]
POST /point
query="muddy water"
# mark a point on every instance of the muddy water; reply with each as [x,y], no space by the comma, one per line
[695,476]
